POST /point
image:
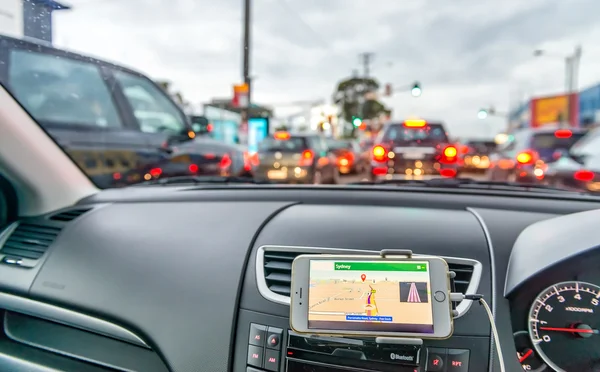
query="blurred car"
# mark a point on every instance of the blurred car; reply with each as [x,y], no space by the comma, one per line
[579,167]
[298,158]
[413,149]
[527,153]
[474,156]
[201,125]
[200,157]
[350,157]
[116,123]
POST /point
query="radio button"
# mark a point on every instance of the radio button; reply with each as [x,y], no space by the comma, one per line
[274,336]
[255,356]
[405,356]
[258,334]
[272,360]
[458,360]
[436,359]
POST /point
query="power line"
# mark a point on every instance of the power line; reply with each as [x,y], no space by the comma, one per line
[290,10]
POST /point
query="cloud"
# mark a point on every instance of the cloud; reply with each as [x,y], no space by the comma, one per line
[466,54]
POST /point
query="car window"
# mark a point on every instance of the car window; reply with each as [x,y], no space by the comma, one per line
[293,144]
[398,133]
[61,90]
[153,110]
[548,141]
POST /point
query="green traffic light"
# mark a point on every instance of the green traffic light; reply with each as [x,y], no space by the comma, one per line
[356,122]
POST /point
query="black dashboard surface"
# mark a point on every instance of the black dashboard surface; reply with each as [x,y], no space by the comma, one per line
[177,266]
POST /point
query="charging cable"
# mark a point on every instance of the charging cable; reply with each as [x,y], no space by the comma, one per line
[457,297]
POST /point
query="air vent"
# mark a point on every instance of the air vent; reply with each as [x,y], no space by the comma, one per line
[29,240]
[69,215]
[278,271]
[276,266]
[461,281]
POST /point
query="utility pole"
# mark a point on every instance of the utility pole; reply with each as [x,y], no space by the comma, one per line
[246,68]
[366,59]
[571,75]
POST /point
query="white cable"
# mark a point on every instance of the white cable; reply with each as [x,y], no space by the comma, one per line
[494,333]
[457,297]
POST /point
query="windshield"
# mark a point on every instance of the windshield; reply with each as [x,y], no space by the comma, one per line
[309,92]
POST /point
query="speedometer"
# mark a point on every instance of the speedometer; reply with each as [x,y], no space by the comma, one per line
[563,325]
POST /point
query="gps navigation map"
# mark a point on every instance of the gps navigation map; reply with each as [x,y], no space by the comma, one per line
[391,296]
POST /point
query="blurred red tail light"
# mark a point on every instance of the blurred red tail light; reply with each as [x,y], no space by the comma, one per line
[225,162]
[449,155]
[380,154]
[584,175]
[448,173]
[526,157]
[563,133]
[307,158]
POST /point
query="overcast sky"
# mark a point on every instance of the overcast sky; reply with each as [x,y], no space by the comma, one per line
[467,54]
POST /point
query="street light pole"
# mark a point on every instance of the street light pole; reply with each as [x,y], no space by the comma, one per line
[246,64]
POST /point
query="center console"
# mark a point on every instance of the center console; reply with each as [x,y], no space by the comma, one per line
[269,346]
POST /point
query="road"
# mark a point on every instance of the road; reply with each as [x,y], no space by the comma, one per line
[356,178]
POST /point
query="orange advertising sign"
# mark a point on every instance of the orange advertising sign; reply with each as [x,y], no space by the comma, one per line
[553,110]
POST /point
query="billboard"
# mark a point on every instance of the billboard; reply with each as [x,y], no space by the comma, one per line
[550,111]
[258,129]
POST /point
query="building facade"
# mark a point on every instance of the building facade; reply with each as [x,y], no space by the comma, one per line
[28,18]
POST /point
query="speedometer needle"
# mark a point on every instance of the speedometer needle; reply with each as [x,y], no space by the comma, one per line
[572,330]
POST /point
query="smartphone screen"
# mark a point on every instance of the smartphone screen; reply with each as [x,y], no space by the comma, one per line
[370,296]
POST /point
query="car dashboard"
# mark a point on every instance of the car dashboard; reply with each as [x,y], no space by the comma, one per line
[190,279]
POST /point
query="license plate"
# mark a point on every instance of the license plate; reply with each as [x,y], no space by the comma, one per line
[277,175]
[413,155]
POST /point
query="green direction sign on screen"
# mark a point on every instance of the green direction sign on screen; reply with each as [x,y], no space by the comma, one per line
[380,266]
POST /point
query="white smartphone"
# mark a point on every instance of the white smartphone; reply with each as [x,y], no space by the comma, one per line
[371,296]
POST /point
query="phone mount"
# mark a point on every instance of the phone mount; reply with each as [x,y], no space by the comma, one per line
[392,253]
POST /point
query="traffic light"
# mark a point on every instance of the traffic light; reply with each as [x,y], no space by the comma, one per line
[356,121]
[416,89]
[482,114]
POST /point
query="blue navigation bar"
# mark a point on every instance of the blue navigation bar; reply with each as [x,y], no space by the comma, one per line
[369,318]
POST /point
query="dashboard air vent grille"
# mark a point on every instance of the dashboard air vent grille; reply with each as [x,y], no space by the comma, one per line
[278,271]
[29,240]
[461,281]
[69,215]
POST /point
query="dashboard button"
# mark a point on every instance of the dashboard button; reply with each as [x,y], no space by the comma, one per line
[272,360]
[409,355]
[255,356]
[436,359]
[258,334]
[274,336]
[458,360]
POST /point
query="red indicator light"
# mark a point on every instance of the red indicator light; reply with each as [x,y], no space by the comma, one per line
[193,168]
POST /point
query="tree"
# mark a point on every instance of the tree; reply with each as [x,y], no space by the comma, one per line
[350,96]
